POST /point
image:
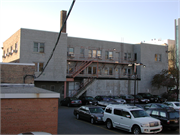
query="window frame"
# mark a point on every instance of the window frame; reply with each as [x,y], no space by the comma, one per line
[39,48]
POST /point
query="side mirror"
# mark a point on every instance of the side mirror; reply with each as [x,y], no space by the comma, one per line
[128,116]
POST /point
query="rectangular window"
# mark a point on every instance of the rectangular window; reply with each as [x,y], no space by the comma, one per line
[106,71]
[117,112]
[129,56]
[11,48]
[99,53]
[157,57]
[81,52]
[135,56]
[99,71]
[94,70]
[125,71]
[89,70]
[39,67]
[16,44]
[110,54]
[94,54]
[90,53]
[110,71]
[125,56]
[39,47]
[70,50]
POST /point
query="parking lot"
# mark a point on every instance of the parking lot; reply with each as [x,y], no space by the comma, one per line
[68,124]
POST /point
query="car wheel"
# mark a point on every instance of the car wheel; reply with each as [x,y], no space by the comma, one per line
[136,130]
[109,124]
[92,121]
[77,116]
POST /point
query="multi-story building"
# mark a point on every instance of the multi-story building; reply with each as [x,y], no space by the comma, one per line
[177,37]
[86,66]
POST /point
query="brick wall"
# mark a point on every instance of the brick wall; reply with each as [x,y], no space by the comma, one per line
[25,115]
[14,73]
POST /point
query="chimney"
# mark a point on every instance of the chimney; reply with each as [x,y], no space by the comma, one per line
[62,18]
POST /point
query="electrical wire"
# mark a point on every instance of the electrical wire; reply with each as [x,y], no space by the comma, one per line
[57,39]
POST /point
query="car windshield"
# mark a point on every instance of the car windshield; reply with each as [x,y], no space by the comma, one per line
[129,96]
[139,96]
[96,110]
[173,115]
[162,105]
[89,98]
[177,104]
[148,95]
[73,98]
[139,113]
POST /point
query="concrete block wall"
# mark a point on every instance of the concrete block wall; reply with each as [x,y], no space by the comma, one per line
[15,72]
[27,115]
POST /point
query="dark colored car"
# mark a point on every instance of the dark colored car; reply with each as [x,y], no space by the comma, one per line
[156,105]
[71,101]
[147,96]
[129,98]
[169,117]
[86,100]
[141,99]
[101,98]
[90,113]
[159,99]
[117,99]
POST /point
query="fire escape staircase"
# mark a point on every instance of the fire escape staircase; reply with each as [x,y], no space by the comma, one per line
[83,87]
[80,68]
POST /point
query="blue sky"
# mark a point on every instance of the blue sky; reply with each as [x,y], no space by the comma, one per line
[130,21]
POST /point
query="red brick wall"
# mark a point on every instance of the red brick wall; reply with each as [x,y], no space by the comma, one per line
[15,73]
[25,115]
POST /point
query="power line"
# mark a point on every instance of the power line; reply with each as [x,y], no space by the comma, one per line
[57,39]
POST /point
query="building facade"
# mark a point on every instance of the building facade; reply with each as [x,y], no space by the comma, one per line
[95,66]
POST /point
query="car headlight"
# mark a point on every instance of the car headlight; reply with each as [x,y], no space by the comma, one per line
[98,118]
[145,125]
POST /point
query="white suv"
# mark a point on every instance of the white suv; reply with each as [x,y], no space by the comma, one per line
[131,119]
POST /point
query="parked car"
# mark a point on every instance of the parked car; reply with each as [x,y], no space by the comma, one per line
[175,105]
[118,99]
[159,99]
[35,133]
[129,98]
[71,101]
[90,113]
[102,97]
[105,103]
[141,99]
[169,117]
[86,100]
[131,119]
[156,105]
[147,96]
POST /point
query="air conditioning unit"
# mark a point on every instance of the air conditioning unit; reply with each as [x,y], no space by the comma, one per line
[14,51]
[72,55]
[10,53]
[3,56]
[99,57]
[7,54]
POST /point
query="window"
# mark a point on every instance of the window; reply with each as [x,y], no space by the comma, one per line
[99,71]
[135,56]
[108,55]
[106,71]
[154,112]
[157,57]
[11,48]
[94,53]
[94,70]
[8,51]
[70,50]
[124,71]
[16,46]
[81,52]
[129,56]
[89,70]
[99,53]
[52,88]
[110,71]
[124,113]
[90,53]
[39,47]
[162,114]
[117,112]
[108,110]
[125,56]
[39,67]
